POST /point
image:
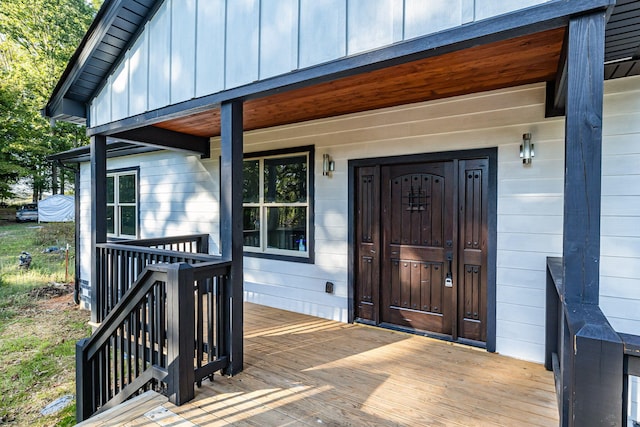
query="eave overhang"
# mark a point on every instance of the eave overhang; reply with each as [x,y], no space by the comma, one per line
[114,28]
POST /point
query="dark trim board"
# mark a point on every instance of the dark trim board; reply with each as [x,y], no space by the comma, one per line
[489,153]
[526,21]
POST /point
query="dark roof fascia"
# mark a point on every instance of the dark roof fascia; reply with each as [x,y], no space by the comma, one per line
[114,149]
[545,16]
[92,38]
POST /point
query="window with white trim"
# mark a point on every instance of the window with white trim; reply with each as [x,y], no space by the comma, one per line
[277,204]
[122,204]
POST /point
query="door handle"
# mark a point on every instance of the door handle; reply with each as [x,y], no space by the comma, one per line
[373,251]
[448,281]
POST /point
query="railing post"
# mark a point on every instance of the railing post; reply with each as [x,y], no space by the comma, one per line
[203,244]
[597,376]
[180,333]
[84,386]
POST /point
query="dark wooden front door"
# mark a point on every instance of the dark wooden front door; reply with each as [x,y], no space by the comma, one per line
[421,231]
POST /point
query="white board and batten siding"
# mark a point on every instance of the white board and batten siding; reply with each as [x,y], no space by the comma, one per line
[193,48]
[179,193]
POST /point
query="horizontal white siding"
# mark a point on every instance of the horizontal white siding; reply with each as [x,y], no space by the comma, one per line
[179,195]
[192,48]
[620,224]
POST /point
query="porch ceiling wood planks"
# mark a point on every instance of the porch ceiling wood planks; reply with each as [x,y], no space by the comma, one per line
[302,370]
[522,60]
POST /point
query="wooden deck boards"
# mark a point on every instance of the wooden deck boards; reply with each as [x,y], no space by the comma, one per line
[301,370]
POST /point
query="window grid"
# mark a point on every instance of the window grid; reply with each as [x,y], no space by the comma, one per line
[117,205]
[263,206]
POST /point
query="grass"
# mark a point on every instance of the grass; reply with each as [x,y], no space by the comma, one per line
[38,332]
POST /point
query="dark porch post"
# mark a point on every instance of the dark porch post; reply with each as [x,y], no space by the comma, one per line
[98,214]
[231,227]
[583,158]
[592,354]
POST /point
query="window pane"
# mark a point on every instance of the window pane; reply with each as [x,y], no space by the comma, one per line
[127,189]
[110,194]
[128,220]
[287,228]
[251,226]
[285,179]
[251,176]
[110,220]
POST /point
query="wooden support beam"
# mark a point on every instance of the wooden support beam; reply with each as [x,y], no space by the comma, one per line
[231,227]
[583,157]
[163,138]
[98,149]
[591,359]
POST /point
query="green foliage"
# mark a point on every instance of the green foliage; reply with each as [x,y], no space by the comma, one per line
[37,38]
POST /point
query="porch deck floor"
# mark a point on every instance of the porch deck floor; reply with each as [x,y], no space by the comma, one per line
[302,370]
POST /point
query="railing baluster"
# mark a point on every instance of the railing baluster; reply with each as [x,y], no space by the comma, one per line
[129,338]
[122,272]
[145,332]
[113,280]
[102,288]
[152,327]
[123,353]
[199,325]
[136,347]
[160,323]
[213,320]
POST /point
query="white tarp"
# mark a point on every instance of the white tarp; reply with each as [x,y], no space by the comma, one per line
[57,208]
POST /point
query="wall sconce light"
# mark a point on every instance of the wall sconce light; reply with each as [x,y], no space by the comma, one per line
[526,149]
[328,165]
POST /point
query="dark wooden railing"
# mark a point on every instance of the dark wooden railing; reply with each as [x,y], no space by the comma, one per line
[162,326]
[119,264]
[197,243]
[590,360]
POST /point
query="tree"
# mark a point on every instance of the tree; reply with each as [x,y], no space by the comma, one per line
[37,38]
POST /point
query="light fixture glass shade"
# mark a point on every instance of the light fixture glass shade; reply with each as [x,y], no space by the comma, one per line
[526,149]
[328,165]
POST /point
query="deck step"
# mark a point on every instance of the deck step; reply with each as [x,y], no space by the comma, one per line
[127,411]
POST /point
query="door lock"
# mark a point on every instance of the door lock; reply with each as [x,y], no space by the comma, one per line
[448,281]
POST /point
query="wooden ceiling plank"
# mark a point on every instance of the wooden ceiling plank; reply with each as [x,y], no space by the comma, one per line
[517,61]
